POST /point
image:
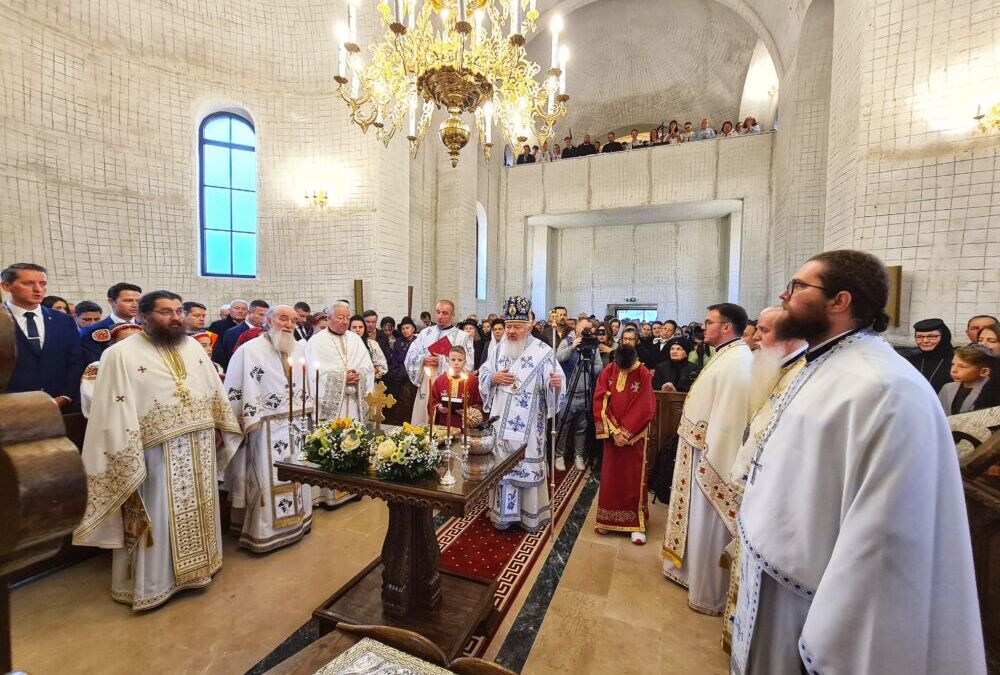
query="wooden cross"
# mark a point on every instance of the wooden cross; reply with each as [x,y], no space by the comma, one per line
[377,401]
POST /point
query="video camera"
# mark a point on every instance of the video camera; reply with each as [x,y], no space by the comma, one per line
[588,341]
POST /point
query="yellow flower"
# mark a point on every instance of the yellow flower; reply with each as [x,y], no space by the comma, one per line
[386,448]
[342,423]
[350,442]
[410,429]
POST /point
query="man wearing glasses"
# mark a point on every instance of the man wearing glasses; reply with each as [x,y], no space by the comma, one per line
[853,529]
[703,503]
[151,462]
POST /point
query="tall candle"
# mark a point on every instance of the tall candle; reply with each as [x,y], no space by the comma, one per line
[302,362]
[448,435]
[465,409]
[430,401]
[316,400]
[555,27]
[291,395]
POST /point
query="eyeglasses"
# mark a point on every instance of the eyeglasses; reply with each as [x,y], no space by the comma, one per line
[795,285]
[169,312]
[927,338]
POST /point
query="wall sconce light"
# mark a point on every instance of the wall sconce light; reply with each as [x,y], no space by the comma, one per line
[317,198]
[990,121]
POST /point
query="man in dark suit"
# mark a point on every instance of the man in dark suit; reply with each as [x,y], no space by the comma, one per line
[225,347]
[237,313]
[123,298]
[48,342]
[303,328]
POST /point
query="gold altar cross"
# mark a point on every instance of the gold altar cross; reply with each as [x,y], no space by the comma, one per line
[377,401]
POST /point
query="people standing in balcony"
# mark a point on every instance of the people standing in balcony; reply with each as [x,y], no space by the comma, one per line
[545,155]
[526,157]
[556,152]
[586,148]
[705,131]
[687,133]
[727,130]
[612,145]
[739,128]
[568,151]
[633,141]
[673,136]
[750,126]
[654,138]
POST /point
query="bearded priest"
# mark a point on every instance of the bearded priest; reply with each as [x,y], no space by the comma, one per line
[702,500]
[346,376]
[423,367]
[267,513]
[152,457]
[624,406]
[855,538]
[522,385]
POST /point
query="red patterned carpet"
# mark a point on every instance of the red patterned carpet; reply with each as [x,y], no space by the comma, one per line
[471,546]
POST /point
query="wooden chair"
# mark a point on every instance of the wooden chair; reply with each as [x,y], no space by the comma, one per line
[404,640]
[467,665]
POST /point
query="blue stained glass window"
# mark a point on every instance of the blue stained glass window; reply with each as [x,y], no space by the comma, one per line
[228,178]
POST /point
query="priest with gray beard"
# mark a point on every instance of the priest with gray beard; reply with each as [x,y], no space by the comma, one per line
[152,456]
[267,513]
[522,386]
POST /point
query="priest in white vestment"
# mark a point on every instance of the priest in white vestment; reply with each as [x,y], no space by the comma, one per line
[152,459]
[856,552]
[775,365]
[702,500]
[521,385]
[346,376]
[422,367]
[268,513]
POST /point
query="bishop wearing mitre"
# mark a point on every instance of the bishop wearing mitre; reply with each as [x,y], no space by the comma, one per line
[160,429]
[346,376]
[268,513]
[424,367]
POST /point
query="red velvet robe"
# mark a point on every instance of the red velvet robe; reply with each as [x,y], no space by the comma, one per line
[623,402]
[439,393]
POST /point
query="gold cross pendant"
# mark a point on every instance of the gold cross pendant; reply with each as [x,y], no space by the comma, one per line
[183,394]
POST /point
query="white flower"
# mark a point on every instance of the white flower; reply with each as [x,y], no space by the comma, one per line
[386,448]
[350,442]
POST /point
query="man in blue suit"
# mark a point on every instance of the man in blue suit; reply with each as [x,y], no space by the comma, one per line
[226,345]
[124,301]
[48,342]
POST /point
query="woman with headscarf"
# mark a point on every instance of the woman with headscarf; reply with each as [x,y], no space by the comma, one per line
[677,373]
[934,351]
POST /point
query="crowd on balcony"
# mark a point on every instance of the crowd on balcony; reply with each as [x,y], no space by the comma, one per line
[670,134]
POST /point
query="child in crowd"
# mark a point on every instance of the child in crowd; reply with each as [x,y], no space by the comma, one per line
[970,369]
[450,390]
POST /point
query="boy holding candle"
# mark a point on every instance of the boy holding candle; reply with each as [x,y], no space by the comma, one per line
[456,387]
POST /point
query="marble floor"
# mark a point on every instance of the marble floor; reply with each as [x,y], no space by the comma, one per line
[612,611]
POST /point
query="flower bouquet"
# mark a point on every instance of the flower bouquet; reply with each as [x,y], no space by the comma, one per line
[406,454]
[341,445]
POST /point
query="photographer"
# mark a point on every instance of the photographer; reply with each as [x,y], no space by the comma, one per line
[578,356]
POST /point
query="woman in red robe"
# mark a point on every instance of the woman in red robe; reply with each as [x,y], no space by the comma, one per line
[623,409]
[440,395]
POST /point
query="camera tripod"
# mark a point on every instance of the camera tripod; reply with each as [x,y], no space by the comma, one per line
[583,371]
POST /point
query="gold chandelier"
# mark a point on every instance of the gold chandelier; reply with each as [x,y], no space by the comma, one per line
[466,56]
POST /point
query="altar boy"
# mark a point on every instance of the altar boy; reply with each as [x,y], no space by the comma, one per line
[450,389]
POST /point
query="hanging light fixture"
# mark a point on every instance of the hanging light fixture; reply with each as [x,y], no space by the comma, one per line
[465,56]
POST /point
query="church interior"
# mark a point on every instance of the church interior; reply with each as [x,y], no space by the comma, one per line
[289,150]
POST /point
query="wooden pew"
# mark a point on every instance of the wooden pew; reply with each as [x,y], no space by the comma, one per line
[669,405]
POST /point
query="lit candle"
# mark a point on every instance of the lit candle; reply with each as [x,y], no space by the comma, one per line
[398,11]
[413,114]
[488,114]
[316,400]
[431,412]
[444,24]
[563,63]
[477,35]
[465,408]
[352,23]
[411,17]
[515,23]
[291,395]
[448,383]
[342,38]
[302,362]
[462,11]
[555,27]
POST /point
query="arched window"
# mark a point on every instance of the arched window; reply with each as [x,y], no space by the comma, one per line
[228,179]
[482,234]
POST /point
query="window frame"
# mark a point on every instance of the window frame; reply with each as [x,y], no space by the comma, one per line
[202,226]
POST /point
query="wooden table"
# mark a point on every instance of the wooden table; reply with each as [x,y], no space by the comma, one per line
[404,587]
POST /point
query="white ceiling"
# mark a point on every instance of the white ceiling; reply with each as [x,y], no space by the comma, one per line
[639,215]
[643,62]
